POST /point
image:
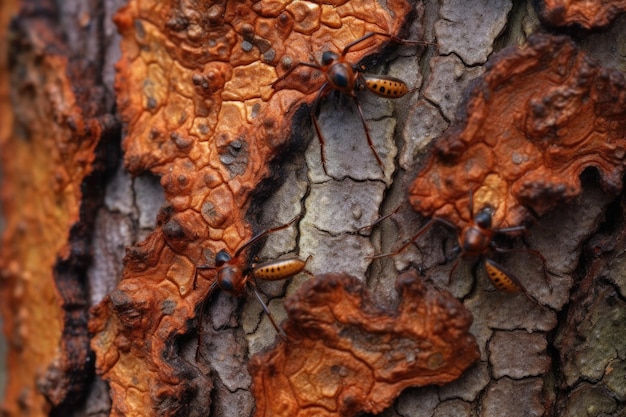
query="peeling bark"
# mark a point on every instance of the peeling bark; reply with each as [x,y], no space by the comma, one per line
[576,13]
[558,357]
[345,355]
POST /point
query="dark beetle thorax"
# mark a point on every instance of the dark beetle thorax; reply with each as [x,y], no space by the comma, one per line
[474,241]
[341,76]
[232,280]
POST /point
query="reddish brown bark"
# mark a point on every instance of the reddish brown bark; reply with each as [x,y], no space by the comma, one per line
[539,116]
[345,355]
[189,113]
[586,14]
[208,122]
[52,146]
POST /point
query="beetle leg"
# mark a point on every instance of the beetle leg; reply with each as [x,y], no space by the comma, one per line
[532,252]
[367,134]
[383,34]
[318,130]
[420,232]
[266,232]
[280,331]
[291,69]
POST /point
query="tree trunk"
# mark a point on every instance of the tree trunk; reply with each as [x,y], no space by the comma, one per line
[113,195]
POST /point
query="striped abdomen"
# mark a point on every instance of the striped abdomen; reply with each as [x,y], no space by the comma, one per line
[385,86]
[501,280]
[279,269]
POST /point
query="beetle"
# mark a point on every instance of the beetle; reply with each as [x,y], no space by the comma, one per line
[235,274]
[476,240]
[348,78]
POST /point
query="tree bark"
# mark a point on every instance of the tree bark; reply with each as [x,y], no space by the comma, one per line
[71,208]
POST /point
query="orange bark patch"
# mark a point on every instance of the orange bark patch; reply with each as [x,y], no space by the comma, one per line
[586,13]
[49,139]
[345,355]
[194,89]
[536,119]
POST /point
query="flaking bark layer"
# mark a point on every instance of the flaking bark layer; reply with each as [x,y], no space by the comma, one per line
[345,355]
[53,152]
[582,13]
[537,118]
[194,90]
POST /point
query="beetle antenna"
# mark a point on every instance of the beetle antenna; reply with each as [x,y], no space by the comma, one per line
[195,274]
[381,218]
[264,233]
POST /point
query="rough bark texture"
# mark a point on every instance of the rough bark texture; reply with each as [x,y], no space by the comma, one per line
[537,118]
[580,13]
[53,161]
[64,239]
[209,122]
[344,355]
